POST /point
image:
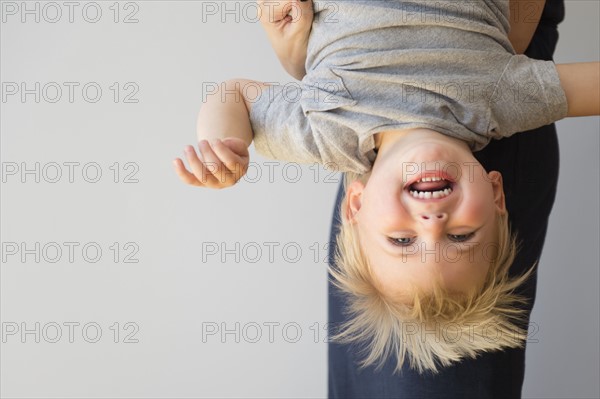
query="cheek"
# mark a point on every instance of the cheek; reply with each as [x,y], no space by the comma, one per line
[387,208]
[476,211]
[478,205]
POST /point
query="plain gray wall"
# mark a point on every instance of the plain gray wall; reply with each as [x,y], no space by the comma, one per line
[180,287]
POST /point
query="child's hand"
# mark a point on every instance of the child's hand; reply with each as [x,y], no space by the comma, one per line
[223,163]
[288,24]
[288,16]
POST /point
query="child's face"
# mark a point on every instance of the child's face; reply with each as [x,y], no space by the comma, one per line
[451,231]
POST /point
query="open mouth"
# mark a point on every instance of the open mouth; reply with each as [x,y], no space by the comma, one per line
[431,188]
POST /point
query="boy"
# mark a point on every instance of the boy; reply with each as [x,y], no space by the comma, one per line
[529,163]
[424,244]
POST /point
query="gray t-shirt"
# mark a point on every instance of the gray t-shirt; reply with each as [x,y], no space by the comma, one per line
[381,65]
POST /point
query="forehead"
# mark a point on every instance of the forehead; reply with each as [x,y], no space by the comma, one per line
[454,277]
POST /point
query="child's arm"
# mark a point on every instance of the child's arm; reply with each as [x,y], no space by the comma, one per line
[581,84]
[288,24]
[533,93]
[224,135]
[524,18]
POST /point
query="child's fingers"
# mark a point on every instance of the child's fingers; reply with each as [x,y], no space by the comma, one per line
[273,11]
[184,175]
[305,9]
[198,168]
[213,163]
[232,161]
[236,145]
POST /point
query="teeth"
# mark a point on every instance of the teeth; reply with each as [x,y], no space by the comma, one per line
[428,179]
[429,194]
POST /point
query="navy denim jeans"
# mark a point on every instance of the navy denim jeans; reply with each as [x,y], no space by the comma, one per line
[529,165]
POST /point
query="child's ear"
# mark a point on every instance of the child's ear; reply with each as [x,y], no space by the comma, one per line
[353,200]
[498,188]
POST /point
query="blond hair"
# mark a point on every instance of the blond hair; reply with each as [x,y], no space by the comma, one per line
[435,328]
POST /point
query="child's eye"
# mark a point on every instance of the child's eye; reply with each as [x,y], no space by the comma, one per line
[460,237]
[402,241]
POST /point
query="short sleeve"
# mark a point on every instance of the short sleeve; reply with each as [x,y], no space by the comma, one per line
[527,96]
[281,129]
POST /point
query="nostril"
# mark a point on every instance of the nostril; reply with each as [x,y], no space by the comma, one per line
[438,216]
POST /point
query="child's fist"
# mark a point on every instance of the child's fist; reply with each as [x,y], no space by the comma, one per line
[288,16]
[288,24]
[223,163]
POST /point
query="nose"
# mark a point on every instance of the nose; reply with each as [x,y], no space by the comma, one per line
[433,217]
[433,221]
